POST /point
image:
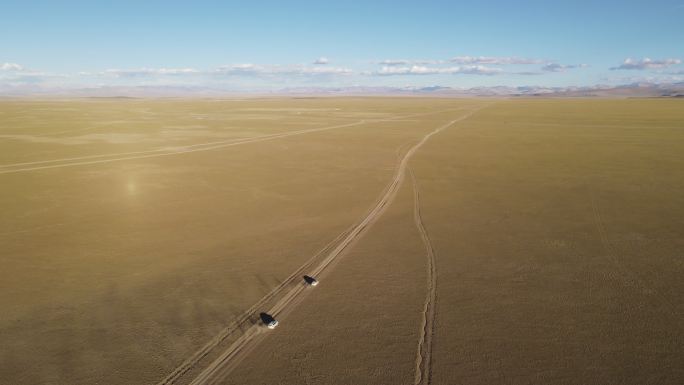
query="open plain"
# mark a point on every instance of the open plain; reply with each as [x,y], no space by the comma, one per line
[457,241]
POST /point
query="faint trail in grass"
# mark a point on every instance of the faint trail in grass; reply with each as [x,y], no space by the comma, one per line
[630,278]
[166,151]
[181,150]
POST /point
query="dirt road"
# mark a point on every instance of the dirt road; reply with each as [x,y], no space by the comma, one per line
[222,366]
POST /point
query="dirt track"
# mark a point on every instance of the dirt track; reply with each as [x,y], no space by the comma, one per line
[221,367]
[88,160]
[166,152]
[424,353]
[245,317]
[188,364]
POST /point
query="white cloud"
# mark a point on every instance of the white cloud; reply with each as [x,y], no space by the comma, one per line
[403,62]
[480,70]
[176,71]
[428,62]
[424,70]
[149,72]
[557,67]
[646,63]
[493,60]
[259,70]
[13,73]
[321,60]
[394,62]
[326,70]
[245,66]
[11,67]
[243,69]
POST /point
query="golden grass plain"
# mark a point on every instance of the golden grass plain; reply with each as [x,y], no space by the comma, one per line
[133,231]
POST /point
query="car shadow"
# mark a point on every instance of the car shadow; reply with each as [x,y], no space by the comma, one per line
[266,318]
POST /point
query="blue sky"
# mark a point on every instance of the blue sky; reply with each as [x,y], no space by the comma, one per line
[269,45]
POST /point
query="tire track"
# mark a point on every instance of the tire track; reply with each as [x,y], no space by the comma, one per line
[234,326]
[193,360]
[172,150]
[244,318]
[424,354]
[93,159]
[182,150]
[221,367]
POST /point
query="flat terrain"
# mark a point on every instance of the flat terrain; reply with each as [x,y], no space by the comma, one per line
[456,241]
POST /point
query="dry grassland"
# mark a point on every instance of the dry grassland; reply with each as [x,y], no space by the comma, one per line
[134,232]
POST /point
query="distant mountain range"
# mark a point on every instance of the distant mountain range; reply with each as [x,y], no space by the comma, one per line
[634,90]
[623,91]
